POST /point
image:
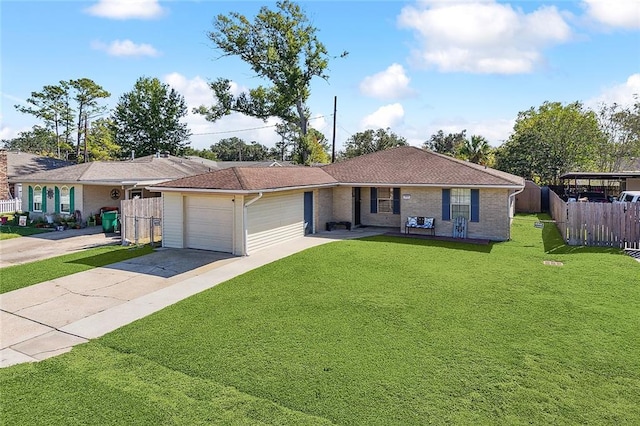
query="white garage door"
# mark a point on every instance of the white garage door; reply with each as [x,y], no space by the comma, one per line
[209,223]
[274,219]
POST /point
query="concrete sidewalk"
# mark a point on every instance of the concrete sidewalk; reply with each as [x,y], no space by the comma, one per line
[50,318]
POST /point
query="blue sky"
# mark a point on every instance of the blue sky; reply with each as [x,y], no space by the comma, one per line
[413,66]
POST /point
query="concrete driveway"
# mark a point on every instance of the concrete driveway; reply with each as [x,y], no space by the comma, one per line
[16,251]
[50,318]
[46,319]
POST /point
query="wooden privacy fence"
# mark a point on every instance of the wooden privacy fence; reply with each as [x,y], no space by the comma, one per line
[141,220]
[597,224]
[10,206]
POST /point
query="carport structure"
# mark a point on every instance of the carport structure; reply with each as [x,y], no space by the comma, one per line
[608,183]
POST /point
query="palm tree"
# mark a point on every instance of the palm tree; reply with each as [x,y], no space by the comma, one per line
[476,150]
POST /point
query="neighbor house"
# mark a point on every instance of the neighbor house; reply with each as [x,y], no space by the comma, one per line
[90,187]
[242,209]
[18,163]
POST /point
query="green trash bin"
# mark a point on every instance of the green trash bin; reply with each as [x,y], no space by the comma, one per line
[109,221]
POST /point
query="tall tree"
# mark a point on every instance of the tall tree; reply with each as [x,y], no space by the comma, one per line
[289,135]
[550,141]
[319,147]
[371,141]
[39,140]
[87,95]
[146,120]
[202,153]
[520,156]
[51,105]
[235,149]
[281,47]
[446,144]
[476,149]
[620,143]
[229,149]
[100,144]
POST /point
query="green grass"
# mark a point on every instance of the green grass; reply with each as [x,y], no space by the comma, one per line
[19,276]
[376,331]
[11,231]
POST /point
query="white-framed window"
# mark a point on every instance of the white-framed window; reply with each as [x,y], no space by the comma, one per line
[37,198]
[461,203]
[65,200]
[385,200]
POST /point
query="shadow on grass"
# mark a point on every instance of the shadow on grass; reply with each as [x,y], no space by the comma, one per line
[454,245]
[554,244]
[105,259]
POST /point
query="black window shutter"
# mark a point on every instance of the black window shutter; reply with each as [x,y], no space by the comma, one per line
[374,200]
[396,200]
[446,204]
[475,205]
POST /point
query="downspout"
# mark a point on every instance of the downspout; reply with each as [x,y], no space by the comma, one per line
[244,221]
[514,207]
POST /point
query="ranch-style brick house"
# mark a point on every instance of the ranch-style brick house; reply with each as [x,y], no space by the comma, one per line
[242,209]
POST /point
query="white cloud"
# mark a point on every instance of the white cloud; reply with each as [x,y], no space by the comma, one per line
[391,83]
[126,9]
[196,92]
[622,94]
[7,132]
[615,13]
[125,48]
[496,131]
[482,36]
[12,98]
[385,116]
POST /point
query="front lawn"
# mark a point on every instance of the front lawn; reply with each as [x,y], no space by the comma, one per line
[19,276]
[384,330]
[11,231]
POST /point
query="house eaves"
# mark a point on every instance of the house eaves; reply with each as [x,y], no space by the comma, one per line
[141,182]
[237,191]
[430,185]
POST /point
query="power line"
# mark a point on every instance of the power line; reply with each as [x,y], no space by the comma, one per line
[348,132]
[252,128]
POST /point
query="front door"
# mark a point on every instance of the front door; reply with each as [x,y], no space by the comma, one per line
[308,212]
[356,206]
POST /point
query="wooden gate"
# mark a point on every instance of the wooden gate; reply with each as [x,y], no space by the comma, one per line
[529,200]
[598,224]
[141,220]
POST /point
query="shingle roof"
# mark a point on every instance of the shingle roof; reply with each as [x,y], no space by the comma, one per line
[254,179]
[217,165]
[398,166]
[410,165]
[144,168]
[25,163]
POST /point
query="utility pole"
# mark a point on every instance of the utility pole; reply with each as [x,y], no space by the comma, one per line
[86,119]
[333,149]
